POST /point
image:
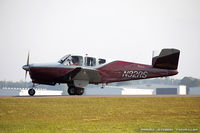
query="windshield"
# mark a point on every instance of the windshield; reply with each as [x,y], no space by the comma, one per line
[63,59]
[71,60]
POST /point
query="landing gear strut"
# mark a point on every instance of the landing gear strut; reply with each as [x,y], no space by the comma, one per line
[75,90]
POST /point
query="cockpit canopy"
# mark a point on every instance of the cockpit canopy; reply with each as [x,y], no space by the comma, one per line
[75,60]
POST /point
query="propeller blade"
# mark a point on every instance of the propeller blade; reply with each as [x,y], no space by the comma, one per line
[26,67]
[27,63]
[26,75]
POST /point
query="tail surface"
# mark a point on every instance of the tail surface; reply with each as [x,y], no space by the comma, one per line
[168,59]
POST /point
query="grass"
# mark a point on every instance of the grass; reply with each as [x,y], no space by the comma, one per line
[109,114]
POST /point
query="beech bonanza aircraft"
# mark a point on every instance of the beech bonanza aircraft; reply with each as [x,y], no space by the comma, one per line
[77,71]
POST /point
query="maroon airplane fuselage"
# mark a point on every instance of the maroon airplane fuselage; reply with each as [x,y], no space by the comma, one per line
[113,72]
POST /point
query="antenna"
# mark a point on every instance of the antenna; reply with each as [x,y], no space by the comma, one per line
[86,55]
[153,52]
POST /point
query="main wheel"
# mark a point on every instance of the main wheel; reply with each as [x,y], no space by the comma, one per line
[31,92]
[72,90]
[79,91]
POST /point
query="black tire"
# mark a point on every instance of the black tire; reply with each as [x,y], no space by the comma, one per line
[31,92]
[71,91]
[79,91]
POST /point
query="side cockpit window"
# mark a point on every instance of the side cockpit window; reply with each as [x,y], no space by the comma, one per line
[73,60]
[102,61]
[77,60]
[90,61]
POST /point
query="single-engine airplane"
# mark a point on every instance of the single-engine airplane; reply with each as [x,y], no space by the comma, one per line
[77,71]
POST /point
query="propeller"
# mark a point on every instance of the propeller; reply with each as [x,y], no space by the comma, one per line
[27,67]
[27,62]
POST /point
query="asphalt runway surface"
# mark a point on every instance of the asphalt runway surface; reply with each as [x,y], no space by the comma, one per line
[97,96]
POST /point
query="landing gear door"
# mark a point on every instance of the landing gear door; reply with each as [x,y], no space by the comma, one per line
[92,76]
[81,83]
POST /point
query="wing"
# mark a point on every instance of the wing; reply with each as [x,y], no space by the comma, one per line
[90,75]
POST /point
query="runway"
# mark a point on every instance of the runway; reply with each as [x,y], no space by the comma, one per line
[98,96]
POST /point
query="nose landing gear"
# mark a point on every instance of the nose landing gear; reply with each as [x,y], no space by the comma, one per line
[31,92]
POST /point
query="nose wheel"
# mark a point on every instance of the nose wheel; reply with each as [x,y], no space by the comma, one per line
[31,92]
[75,90]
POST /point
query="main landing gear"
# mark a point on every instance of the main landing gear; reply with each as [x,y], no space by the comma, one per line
[72,90]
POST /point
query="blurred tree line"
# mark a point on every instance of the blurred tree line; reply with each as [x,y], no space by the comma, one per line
[190,82]
[165,81]
[187,81]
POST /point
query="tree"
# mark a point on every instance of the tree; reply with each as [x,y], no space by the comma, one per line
[190,82]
